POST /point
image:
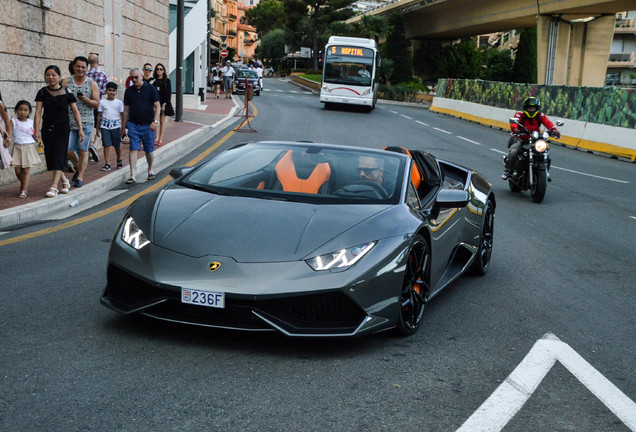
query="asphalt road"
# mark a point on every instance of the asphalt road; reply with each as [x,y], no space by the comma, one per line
[564,267]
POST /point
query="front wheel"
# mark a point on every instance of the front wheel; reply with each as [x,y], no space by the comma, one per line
[538,188]
[415,288]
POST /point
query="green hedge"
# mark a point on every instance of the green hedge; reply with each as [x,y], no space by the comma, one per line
[612,106]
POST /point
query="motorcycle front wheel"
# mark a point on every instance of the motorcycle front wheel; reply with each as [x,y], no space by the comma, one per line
[538,188]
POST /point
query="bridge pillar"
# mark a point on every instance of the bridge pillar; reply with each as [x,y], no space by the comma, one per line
[574,54]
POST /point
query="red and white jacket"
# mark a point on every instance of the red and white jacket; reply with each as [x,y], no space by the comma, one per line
[531,124]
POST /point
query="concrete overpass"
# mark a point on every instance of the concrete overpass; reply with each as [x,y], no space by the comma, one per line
[573,36]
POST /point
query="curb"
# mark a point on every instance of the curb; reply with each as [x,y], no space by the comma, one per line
[163,157]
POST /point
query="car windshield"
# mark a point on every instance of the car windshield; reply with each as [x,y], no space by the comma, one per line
[246,73]
[306,173]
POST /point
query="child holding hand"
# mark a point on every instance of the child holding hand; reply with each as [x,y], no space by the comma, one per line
[25,153]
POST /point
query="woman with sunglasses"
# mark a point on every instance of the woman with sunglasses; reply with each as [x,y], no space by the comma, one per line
[164,88]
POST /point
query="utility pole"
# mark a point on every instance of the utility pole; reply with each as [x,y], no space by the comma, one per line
[180,34]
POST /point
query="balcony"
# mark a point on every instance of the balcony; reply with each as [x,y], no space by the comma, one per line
[621,60]
[625,26]
[232,34]
[232,17]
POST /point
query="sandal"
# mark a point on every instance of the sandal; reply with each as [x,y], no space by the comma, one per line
[120,164]
[151,176]
[130,181]
[106,167]
[65,185]
[52,193]
[23,194]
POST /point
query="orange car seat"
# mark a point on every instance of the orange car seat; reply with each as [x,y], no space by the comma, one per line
[416,175]
[302,172]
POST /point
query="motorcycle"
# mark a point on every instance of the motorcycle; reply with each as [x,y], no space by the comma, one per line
[533,169]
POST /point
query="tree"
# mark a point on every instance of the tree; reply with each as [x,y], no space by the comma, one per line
[266,16]
[372,27]
[397,49]
[525,67]
[272,45]
[497,65]
[462,60]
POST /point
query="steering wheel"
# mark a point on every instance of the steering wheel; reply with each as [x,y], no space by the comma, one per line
[376,187]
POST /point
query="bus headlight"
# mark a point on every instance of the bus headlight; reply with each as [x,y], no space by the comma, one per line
[325,88]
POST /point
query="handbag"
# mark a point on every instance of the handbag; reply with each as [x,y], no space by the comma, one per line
[5,157]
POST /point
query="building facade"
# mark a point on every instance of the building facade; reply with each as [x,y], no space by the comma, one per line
[38,33]
[621,66]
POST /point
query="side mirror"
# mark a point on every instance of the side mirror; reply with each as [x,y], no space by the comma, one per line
[513,120]
[451,198]
[176,173]
[560,122]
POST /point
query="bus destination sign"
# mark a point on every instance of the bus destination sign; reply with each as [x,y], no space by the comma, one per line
[348,51]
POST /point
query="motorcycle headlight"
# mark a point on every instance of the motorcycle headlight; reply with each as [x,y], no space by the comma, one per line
[340,259]
[132,235]
[540,146]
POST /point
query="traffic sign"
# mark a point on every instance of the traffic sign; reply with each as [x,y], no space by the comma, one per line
[224,53]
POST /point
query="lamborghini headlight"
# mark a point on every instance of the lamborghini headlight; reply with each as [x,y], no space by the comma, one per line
[340,259]
[540,146]
[132,235]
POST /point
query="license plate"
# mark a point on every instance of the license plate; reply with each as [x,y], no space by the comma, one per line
[203,298]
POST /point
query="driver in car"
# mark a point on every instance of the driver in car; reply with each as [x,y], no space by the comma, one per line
[371,169]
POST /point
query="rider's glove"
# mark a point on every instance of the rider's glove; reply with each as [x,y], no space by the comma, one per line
[555,133]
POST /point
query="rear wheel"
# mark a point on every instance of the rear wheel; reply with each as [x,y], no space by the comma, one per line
[481,263]
[415,288]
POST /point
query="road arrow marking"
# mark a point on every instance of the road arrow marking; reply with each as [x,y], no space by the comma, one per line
[514,392]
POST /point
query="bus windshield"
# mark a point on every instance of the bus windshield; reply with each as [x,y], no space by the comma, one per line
[348,65]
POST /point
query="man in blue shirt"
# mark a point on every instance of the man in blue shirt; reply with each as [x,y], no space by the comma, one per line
[141,117]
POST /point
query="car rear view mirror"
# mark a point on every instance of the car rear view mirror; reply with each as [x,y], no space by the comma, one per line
[178,172]
[451,198]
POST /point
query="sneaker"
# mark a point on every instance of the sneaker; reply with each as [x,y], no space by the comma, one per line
[93,153]
[505,175]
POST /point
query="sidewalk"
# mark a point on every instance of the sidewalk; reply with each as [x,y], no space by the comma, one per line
[197,127]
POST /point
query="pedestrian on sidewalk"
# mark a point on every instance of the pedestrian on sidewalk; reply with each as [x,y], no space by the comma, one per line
[228,79]
[148,73]
[141,116]
[216,79]
[25,153]
[53,102]
[164,88]
[86,91]
[110,117]
[100,77]
[5,132]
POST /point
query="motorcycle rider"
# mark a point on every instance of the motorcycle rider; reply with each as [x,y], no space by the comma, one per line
[531,118]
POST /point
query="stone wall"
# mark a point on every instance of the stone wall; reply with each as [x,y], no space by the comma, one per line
[38,33]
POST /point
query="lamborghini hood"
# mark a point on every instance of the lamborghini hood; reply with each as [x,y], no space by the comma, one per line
[198,223]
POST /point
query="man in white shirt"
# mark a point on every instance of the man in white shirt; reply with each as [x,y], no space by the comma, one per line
[228,78]
[259,72]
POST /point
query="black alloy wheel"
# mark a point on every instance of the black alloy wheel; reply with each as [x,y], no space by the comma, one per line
[481,263]
[415,288]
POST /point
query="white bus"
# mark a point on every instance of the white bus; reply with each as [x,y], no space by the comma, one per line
[350,72]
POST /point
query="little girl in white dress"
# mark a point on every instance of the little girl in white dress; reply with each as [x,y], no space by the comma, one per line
[25,153]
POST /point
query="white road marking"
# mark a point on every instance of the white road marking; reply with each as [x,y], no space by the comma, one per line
[442,130]
[633,217]
[590,175]
[512,394]
[499,151]
[423,124]
[469,140]
[405,116]
[394,112]
[291,91]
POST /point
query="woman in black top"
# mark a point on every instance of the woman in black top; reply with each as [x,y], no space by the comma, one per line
[54,100]
[164,88]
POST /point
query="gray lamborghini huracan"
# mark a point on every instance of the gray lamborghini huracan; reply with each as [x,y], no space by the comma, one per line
[302,238]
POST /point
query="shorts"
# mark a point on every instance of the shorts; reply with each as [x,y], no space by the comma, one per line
[111,137]
[74,143]
[227,82]
[141,135]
